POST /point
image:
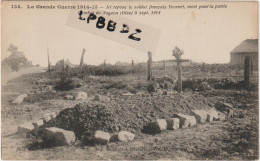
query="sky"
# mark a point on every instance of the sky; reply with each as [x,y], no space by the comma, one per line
[205,35]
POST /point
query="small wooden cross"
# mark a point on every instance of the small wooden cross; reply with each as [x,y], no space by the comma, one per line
[178,53]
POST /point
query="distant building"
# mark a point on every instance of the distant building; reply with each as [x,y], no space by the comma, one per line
[248,47]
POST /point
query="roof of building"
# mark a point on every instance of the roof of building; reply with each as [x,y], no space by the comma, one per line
[247,46]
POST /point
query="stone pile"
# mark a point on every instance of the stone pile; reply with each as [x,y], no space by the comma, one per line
[28,128]
[185,121]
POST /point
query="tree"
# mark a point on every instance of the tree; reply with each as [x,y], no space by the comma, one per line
[14,62]
[12,48]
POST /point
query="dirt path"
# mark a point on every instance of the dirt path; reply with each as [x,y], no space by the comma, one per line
[7,75]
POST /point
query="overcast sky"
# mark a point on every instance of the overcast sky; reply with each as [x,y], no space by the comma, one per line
[205,35]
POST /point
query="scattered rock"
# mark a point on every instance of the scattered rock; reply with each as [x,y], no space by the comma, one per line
[38,123]
[230,113]
[19,99]
[186,120]
[101,137]
[52,115]
[200,115]
[46,117]
[125,136]
[173,123]
[212,115]
[225,108]
[58,137]
[68,97]
[101,98]
[81,96]
[25,129]
[158,126]
[222,116]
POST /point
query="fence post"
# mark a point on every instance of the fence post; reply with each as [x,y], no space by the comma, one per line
[179,77]
[49,65]
[149,64]
[81,60]
[164,65]
[247,72]
[132,67]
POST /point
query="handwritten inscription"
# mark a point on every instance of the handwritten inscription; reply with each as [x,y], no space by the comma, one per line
[101,22]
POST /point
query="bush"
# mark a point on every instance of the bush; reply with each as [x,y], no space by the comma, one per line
[108,70]
[152,86]
[64,85]
[211,83]
[65,82]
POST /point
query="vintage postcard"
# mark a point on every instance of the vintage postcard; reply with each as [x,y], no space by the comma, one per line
[129,80]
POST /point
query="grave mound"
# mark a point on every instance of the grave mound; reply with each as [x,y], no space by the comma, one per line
[129,113]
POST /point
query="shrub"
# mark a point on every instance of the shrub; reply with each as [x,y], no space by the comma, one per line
[152,87]
[108,70]
[211,83]
[65,82]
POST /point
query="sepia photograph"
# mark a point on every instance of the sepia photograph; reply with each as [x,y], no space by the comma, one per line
[129,80]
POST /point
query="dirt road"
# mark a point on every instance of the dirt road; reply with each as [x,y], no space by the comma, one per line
[8,75]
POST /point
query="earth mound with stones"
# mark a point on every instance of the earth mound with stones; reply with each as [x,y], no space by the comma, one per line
[129,113]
